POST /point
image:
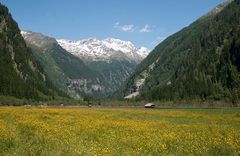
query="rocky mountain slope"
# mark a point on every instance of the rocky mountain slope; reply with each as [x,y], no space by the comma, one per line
[202,61]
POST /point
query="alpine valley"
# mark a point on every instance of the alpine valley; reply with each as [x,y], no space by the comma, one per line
[87,67]
[110,97]
[200,62]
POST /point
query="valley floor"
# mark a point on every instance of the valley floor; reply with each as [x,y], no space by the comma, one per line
[90,131]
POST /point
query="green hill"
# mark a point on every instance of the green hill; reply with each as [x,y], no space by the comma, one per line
[202,61]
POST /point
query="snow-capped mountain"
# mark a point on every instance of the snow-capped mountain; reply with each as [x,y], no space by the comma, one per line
[87,67]
[102,50]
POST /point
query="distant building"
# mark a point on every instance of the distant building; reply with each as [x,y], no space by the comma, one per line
[149,105]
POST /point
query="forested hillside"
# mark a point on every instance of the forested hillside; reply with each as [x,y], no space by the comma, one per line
[202,61]
[20,75]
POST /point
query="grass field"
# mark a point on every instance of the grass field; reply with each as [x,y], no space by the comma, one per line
[82,131]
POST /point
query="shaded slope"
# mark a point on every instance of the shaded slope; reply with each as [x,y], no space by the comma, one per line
[20,75]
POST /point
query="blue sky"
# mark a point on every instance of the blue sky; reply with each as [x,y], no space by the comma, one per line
[143,22]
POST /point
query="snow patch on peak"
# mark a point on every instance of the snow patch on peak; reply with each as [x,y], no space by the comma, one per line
[143,52]
[104,50]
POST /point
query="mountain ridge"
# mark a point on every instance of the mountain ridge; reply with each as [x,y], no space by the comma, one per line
[104,50]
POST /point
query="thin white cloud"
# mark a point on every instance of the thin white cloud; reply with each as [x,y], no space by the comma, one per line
[128,28]
[125,28]
[132,28]
[145,29]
